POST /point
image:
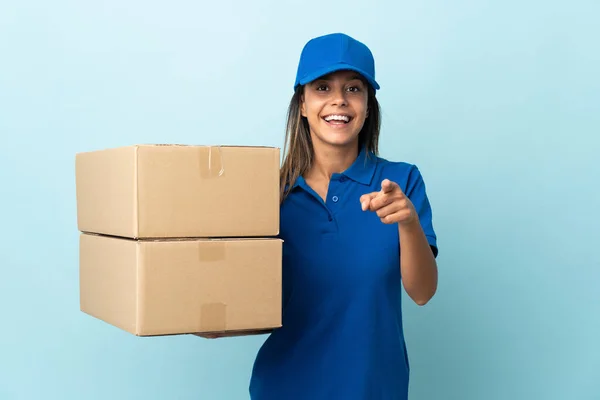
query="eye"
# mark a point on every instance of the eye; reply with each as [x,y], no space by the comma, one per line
[321,87]
[355,87]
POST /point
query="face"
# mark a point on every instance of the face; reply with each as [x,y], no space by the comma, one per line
[336,108]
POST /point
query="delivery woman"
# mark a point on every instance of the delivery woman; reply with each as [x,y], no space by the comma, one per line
[356,228]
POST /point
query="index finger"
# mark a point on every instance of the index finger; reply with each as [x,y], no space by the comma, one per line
[388,186]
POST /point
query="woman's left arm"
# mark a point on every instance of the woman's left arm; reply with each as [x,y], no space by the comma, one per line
[418,265]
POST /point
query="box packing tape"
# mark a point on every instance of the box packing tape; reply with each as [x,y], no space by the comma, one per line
[213,168]
[213,316]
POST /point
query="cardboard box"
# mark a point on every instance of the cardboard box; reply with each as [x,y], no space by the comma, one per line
[166,287]
[172,191]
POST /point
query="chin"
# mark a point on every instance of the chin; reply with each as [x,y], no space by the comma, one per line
[338,141]
[336,137]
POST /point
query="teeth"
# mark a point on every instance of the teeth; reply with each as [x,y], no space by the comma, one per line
[337,118]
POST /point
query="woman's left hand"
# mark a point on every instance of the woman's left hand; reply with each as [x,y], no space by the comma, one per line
[391,204]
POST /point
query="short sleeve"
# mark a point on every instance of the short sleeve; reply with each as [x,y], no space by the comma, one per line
[417,193]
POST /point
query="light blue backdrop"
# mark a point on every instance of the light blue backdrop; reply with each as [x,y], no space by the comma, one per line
[498,103]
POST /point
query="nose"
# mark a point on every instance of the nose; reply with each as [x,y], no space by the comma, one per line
[338,97]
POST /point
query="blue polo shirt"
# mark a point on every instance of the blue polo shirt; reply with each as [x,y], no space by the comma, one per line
[342,335]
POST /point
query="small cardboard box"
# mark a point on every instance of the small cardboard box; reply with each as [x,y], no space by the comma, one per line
[166,287]
[174,191]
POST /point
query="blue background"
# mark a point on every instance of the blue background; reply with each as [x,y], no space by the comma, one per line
[497,102]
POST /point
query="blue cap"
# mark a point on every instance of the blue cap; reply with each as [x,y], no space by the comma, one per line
[335,52]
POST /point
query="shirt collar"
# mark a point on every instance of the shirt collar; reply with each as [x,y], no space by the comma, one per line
[362,169]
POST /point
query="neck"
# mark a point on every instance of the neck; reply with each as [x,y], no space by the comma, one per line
[329,160]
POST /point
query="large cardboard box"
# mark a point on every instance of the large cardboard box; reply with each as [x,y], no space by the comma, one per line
[165,287]
[171,191]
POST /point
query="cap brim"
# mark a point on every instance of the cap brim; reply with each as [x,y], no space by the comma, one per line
[334,68]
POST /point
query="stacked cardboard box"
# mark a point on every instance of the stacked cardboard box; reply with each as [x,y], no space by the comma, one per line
[180,239]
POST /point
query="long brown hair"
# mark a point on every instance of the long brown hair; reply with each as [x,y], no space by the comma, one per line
[298,149]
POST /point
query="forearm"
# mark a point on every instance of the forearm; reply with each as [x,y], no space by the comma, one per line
[418,265]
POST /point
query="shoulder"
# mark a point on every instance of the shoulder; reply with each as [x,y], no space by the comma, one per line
[396,166]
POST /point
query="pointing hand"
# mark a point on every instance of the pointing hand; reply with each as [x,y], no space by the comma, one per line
[390,204]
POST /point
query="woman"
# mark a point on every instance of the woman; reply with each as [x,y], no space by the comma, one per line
[346,214]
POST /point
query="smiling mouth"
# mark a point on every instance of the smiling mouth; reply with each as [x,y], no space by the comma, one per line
[337,119]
